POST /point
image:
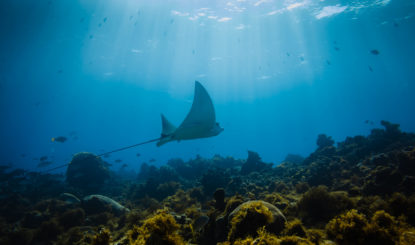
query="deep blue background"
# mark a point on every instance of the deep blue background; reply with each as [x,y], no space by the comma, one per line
[279,73]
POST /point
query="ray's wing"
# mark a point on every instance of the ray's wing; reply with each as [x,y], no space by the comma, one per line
[202,112]
[167,127]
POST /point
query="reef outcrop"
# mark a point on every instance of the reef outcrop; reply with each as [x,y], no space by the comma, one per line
[87,173]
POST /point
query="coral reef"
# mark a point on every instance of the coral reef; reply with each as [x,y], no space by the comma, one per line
[324,141]
[87,172]
[358,191]
[254,164]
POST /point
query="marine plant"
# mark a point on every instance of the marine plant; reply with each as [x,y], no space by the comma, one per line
[280,187]
[48,231]
[407,237]
[347,228]
[354,228]
[159,229]
[294,240]
[19,237]
[249,217]
[262,238]
[301,187]
[320,205]
[71,218]
[382,229]
[180,201]
[75,235]
[232,203]
[400,204]
[103,237]
[275,199]
[316,236]
[295,228]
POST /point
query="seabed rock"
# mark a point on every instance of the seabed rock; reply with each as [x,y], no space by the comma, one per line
[69,198]
[97,203]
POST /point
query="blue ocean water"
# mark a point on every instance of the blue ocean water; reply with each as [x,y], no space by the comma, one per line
[279,73]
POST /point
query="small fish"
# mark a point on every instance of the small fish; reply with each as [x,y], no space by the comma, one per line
[301,58]
[171,21]
[288,54]
[395,24]
[193,51]
[337,48]
[328,62]
[23,155]
[118,160]
[61,139]
[82,20]
[99,25]
[43,158]
[91,36]
[42,164]
[152,160]
[105,19]
[60,71]
[370,68]
[124,165]
[138,154]
[375,52]
[199,223]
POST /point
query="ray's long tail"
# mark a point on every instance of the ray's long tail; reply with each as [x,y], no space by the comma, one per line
[105,153]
